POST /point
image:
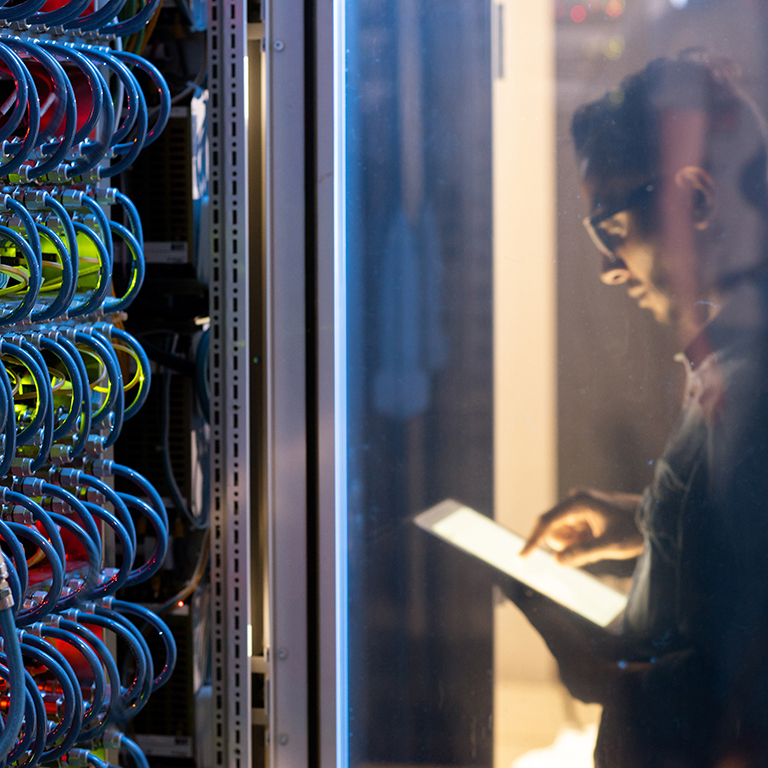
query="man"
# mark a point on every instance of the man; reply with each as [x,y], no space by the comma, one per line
[674,164]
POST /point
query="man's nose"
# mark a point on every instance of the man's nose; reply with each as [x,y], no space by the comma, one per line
[614,271]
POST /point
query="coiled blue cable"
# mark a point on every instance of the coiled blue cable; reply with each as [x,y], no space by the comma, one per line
[155,561]
[70,422]
[9,450]
[96,298]
[138,269]
[62,669]
[17,70]
[49,489]
[117,581]
[16,679]
[86,589]
[39,515]
[121,510]
[18,560]
[135,696]
[134,220]
[42,386]
[78,446]
[145,372]
[163,93]
[93,660]
[27,303]
[68,284]
[120,470]
[67,727]
[48,417]
[115,707]
[52,596]
[162,629]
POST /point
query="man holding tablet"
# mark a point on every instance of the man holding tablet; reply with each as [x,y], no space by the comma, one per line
[674,166]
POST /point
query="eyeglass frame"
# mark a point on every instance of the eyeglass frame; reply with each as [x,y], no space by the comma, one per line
[634,199]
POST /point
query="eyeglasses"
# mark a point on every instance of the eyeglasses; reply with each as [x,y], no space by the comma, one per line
[604,241]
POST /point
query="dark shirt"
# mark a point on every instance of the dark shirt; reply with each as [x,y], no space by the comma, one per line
[698,608]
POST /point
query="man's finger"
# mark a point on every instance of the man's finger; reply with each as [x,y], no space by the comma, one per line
[539,532]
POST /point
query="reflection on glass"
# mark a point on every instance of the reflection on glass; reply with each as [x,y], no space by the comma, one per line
[557,280]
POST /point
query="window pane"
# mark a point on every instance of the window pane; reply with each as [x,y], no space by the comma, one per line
[556,281]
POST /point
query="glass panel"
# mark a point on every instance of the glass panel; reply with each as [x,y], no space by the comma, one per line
[555,249]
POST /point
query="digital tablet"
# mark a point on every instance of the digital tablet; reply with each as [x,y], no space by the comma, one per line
[482,537]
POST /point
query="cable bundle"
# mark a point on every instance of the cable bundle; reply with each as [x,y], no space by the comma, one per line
[73,112]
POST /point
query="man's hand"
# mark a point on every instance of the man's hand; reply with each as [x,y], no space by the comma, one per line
[589,526]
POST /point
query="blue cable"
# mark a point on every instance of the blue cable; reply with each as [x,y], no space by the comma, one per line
[155,562]
[91,658]
[68,284]
[134,220]
[95,300]
[24,148]
[141,686]
[162,629]
[77,506]
[133,25]
[114,498]
[66,109]
[115,707]
[48,604]
[163,93]
[134,750]
[103,221]
[99,349]
[42,385]
[39,515]
[94,80]
[9,451]
[27,303]
[70,422]
[98,18]
[48,417]
[86,589]
[138,268]
[17,70]
[16,679]
[120,470]
[145,372]
[18,560]
[29,224]
[78,446]
[67,727]
[29,718]
[62,669]
[117,581]
[130,84]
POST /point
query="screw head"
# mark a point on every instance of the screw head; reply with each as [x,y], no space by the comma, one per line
[278,45]
[282,654]
[282,739]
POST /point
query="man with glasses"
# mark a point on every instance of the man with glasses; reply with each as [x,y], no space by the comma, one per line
[674,165]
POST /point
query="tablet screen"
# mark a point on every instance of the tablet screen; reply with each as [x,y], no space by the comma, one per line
[499,547]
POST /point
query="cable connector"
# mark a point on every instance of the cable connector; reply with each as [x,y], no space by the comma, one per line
[6,596]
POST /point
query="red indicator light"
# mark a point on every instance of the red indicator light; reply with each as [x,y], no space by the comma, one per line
[180,603]
[578,13]
[614,8]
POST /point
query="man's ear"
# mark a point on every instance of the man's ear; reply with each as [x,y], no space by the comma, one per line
[702,188]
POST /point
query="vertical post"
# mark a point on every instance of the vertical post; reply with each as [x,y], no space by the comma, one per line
[230,384]
[290,332]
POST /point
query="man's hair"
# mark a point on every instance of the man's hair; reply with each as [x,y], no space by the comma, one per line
[618,135]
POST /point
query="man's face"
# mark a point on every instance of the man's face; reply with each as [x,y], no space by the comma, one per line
[630,236]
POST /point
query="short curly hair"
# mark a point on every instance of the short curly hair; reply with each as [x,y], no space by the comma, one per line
[618,135]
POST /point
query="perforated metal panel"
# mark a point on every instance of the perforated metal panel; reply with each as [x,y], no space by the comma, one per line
[229,365]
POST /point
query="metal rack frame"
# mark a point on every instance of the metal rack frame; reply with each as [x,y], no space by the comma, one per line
[230,366]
